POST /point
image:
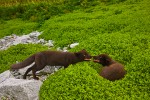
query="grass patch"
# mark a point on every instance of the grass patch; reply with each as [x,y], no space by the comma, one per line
[16,26]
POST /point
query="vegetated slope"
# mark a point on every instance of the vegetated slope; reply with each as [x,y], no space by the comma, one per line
[24,16]
[120,30]
[80,25]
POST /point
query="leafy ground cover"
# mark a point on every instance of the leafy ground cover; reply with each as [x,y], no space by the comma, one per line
[120,30]
[16,26]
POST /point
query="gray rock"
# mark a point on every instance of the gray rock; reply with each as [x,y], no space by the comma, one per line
[49,44]
[21,39]
[73,45]
[41,41]
[5,75]
[16,74]
[59,49]
[19,89]
[58,67]
[8,41]
[65,49]
[48,69]
[35,34]
[19,77]
[23,70]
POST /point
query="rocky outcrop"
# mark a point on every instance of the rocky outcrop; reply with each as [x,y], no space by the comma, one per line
[5,75]
[13,87]
[19,89]
[8,41]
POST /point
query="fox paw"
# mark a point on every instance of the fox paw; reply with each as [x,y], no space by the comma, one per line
[36,78]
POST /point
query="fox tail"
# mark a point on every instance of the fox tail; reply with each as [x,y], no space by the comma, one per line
[24,63]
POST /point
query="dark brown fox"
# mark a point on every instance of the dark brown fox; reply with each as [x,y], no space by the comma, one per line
[52,58]
[112,70]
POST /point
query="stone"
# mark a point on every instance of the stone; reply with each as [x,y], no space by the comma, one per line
[8,41]
[19,89]
[49,44]
[5,75]
[48,69]
[65,49]
[73,45]
[23,70]
[41,41]
[59,49]
[35,34]
[18,74]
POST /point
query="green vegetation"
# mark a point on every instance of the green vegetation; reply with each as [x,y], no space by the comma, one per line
[16,26]
[81,82]
[119,28]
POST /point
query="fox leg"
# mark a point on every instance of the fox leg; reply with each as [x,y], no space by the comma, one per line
[39,64]
[28,70]
[34,74]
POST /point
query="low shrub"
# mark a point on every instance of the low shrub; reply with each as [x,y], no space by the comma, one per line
[16,26]
[81,82]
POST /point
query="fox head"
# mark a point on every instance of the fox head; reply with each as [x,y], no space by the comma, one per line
[83,55]
[103,59]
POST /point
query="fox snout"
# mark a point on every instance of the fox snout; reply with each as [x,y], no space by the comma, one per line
[88,58]
[95,59]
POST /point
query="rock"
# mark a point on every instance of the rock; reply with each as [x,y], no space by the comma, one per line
[35,34]
[41,41]
[73,45]
[49,44]
[59,49]
[23,70]
[8,41]
[21,39]
[5,75]
[19,89]
[65,49]
[18,74]
[58,67]
[47,69]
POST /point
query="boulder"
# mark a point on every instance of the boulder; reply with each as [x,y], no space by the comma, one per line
[19,89]
[5,75]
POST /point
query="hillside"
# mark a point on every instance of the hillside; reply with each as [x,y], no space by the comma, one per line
[119,28]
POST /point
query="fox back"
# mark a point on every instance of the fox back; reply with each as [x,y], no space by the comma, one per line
[111,70]
[55,58]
